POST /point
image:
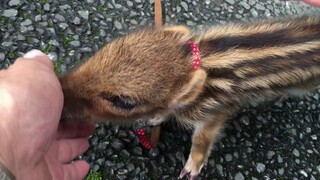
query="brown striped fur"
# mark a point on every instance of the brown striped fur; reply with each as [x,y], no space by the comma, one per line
[149,75]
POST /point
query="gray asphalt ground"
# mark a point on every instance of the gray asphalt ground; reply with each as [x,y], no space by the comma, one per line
[271,141]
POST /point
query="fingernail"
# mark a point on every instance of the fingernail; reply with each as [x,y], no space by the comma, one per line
[33,53]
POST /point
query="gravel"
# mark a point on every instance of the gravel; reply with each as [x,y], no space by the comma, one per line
[270,141]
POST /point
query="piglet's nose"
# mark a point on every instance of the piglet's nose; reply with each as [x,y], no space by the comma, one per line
[64,114]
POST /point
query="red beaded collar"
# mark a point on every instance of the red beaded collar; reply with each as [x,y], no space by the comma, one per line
[142,136]
[196,53]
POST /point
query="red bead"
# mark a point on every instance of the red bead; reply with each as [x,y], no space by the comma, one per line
[196,53]
[143,138]
[140,131]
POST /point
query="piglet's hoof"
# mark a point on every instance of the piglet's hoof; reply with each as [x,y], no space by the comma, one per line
[187,174]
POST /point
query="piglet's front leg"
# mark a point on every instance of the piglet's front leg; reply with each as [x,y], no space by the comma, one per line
[204,136]
[158,119]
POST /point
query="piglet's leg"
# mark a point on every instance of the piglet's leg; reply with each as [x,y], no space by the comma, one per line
[203,139]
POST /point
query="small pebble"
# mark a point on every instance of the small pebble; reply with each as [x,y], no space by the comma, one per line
[95,167]
[118,6]
[63,25]
[245,5]
[21,37]
[14,2]
[184,5]
[281,171]
[230,1]
[296,152]
[46,7]
[10,13]
[261,167]
[76,21]
[6,44]
[65,6]
[117,144]
[100,161]
[154,152]
[308,130]
[137,150]
[129,3]
[280,159]
[75,43]
[228,157]
[54,57]
[260,7]
[254,12]
[54,42]
[124,153]
[2,56]
[239,176]
[238,16]
[60,18]
[304,173]
[102,145]
[270,154]
[220,169]
[130,167]
[245,120]
[120,165]
[84,14]
[118,25]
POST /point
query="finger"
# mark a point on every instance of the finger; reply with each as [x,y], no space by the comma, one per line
[33,53]
[75,129]
[38,57]
[68,149]
[77,170]
[313,2]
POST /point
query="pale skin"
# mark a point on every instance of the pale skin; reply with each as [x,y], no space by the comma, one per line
[313,2]
[34,145]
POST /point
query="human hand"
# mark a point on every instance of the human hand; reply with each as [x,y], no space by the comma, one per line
[33,144]
[313,2]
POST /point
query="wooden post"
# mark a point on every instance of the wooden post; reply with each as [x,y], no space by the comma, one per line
[155,132]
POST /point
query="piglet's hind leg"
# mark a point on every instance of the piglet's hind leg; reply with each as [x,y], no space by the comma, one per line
[203,139]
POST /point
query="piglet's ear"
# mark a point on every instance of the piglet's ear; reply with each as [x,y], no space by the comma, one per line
[191,90]
[178,29]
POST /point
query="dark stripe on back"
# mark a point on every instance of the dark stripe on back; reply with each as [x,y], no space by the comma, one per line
[283,88]
[278,38]
[269,65]
[264,67]
[277,64]
[226,73]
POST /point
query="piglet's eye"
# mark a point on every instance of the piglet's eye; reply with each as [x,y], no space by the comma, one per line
[121,102]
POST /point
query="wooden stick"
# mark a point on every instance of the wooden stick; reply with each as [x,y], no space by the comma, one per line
[157,14]
[155,132]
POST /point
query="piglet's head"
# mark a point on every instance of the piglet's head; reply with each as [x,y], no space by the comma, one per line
[133,77]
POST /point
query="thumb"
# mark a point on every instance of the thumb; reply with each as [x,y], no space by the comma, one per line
[39,56]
